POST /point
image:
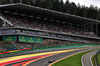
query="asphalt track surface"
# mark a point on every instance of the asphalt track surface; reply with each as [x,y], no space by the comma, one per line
[86,59]
[44,61]
[37,51]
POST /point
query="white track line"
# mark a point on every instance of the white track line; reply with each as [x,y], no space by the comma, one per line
[90,59]
[82,59]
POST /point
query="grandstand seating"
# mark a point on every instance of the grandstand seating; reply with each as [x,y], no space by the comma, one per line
[46,28]
[30,22]
[46,25]
[55,32]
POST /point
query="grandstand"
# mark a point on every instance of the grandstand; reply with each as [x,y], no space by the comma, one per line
[30,26]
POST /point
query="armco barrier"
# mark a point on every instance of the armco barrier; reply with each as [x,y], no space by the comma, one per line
[96,61]
[13,52]
[46,47]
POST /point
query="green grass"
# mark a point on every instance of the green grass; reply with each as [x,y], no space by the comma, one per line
[99,58]
[96,61]
[71,61]
[93,60]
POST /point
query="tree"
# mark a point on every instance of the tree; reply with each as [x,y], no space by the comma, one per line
[92,12]
[56,5]
[84,11]
[38,3]
[98,14]
[5,1]
[73,8]
[66,7]
[16,1]
[48,4]
[29,2]
[33,2]
[79,10]
[61,6]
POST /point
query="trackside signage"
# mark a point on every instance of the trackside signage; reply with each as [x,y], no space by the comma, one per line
[30,39]
[39,40]
[9,38]
[22,38]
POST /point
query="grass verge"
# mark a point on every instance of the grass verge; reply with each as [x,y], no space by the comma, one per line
[96,61]
[72,61]
[99,58]
[93,60]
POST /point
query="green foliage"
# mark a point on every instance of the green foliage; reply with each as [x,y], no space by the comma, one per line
[5,1]
[73,8]
[93,60]
[16,1]
[66,6]
[48,4]
[99,58]
[38,3]
[27,2]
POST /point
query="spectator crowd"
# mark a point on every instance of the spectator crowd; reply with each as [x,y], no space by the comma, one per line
[46,25]
[40,24]
[45,35]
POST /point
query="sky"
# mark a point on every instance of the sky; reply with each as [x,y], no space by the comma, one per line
[86,2]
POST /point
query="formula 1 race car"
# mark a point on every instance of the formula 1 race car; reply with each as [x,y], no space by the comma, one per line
[51,61]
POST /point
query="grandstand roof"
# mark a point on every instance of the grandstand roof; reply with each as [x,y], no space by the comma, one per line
[30,8]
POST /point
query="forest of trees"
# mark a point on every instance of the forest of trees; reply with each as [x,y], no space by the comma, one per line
[92,12]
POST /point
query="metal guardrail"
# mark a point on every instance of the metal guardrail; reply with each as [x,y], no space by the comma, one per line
[96,61]
[46,47]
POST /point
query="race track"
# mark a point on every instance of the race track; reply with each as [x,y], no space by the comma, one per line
[86,59]
[39,57]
